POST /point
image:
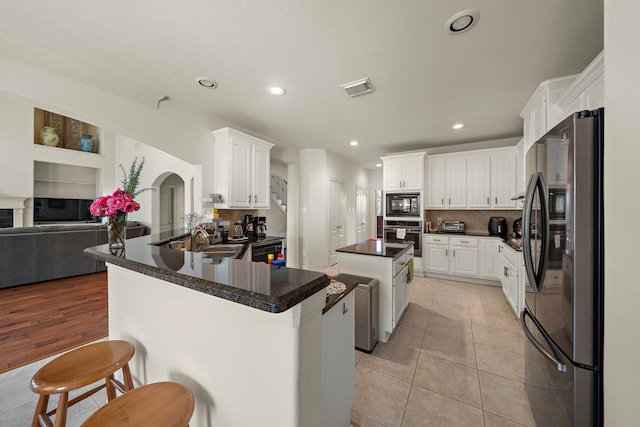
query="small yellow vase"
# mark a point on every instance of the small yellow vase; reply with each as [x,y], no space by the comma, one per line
[49,136]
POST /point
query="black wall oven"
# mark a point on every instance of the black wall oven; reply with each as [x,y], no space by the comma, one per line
[403,232]
[402,205]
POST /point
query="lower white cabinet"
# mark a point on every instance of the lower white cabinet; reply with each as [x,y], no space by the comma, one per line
[510,272]
[338,342]
[488,260]
[450,255]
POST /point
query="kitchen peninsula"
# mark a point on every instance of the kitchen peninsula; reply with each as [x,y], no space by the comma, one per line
[245,337]
[392,265]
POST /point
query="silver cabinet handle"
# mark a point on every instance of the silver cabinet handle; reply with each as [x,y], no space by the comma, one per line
[499,248]
[454,253]
[487,200]
[344,308]
[442,201]
[506,272]
[496,200]
[249,201]
[464,241]
[446,252]
[449,201]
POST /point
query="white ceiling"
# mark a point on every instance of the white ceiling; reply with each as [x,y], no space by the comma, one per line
[426,79]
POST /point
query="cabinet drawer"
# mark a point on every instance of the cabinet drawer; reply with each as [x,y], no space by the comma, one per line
[464,241]
[515,258]
[435,239]
[399,263]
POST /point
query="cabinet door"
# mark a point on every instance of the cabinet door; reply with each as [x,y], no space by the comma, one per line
[456,182]
[464,260]
[338,341]
[261,178]
[479,181]
[435,182]
[392,174]
[240,179]
[503,179]
[399,295]
[412,173]
[510,285]
[557,158]
[488,259]
[435,258]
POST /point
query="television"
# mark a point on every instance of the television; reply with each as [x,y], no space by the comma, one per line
[47,210]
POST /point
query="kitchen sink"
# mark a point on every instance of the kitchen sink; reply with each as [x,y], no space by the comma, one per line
[222,250]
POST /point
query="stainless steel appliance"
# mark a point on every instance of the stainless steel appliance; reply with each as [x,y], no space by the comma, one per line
[404,231]
[452,226]
[557,203]
[403,205]
[260,251]
[497,226]
[564,323]
[260,228]
[517,228]
[366,310]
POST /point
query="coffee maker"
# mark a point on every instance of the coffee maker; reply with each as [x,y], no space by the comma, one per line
[260,228]
[247,226]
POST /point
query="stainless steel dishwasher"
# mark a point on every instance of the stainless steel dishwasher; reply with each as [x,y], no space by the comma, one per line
[366,310]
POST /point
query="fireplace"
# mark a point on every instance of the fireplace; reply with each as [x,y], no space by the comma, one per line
[11,211]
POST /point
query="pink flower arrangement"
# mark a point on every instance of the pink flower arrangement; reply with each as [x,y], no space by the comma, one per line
[112,205]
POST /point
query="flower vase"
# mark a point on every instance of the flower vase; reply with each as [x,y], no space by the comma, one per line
[49,136]
[86,143]
[117,230]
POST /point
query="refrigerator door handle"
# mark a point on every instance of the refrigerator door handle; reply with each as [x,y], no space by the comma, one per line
[553,358]
[536,279]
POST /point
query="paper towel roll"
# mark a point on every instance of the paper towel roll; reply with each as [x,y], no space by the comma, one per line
[556,241]
[401,233]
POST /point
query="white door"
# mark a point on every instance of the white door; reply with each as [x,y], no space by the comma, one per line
[489,260]
[240,173]
[361,214]
[503,179]
[392,174]
[479,181]
[412,173]
[261,173]
[435,182]
[167,207]
[337,219]
[435,258]
[456,182]
[464,260]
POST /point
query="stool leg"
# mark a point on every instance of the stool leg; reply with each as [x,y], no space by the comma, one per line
[41,409]
[61,412]
[126,375]
[111,390]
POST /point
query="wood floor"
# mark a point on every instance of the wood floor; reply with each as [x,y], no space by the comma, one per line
[39,320]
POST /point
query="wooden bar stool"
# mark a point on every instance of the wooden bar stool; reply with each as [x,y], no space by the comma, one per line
[78,368]
[164,404]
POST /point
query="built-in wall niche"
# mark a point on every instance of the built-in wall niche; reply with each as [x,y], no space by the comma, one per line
[70,132]
[62,181]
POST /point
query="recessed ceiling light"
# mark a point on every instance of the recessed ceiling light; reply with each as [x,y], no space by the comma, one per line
[277,91]
[378,165]
[207,82]
[457,126]
[353,143]
[462,21]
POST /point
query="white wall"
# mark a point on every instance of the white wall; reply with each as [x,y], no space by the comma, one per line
[157,165]
[314,208]
[622,202]
[174,128]
[276,219]
[375,183]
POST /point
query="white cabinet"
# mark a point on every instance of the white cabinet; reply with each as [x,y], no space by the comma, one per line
[338,341]
[242,168]
[446,182]
[399,292]
[587,91]
[479,180]
[464,256]
[403,172]
[557,158]
[510,272]
[435,182]
[451,255]
[488,262]
[503,178]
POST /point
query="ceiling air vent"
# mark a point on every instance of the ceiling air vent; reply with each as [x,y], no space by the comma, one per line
[358,87]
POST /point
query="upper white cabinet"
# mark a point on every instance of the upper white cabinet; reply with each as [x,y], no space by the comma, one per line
[541,112]
[242,169]
[483,179]
[446,182]
[403,172]
[557,157]
[587,91]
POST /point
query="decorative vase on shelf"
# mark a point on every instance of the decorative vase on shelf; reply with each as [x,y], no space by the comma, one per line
[87,144]
[49,136]
[117,230]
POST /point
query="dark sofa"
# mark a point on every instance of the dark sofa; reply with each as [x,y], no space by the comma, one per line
[52,251]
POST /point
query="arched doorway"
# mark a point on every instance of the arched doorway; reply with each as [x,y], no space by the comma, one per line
[170,203]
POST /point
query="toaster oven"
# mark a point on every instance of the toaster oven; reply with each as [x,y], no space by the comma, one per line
[452,226]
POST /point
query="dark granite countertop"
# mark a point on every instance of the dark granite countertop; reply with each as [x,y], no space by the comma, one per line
[377,247]
[350,281]
[263,286]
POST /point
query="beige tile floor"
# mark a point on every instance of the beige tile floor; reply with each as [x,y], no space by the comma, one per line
[455,359]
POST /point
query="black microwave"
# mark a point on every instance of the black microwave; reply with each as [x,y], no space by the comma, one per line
[403,204]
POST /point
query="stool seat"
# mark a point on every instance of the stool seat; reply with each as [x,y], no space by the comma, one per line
[163,404]
[78,368]
[82,366]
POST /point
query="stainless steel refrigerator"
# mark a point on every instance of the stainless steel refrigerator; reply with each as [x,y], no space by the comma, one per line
[563,248]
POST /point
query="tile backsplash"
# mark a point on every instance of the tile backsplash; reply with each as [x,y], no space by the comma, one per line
[474,221]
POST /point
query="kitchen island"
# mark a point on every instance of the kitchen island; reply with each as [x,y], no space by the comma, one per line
[245,337]
[392,265]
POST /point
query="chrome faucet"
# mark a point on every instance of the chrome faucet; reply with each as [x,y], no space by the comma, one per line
[194,237]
